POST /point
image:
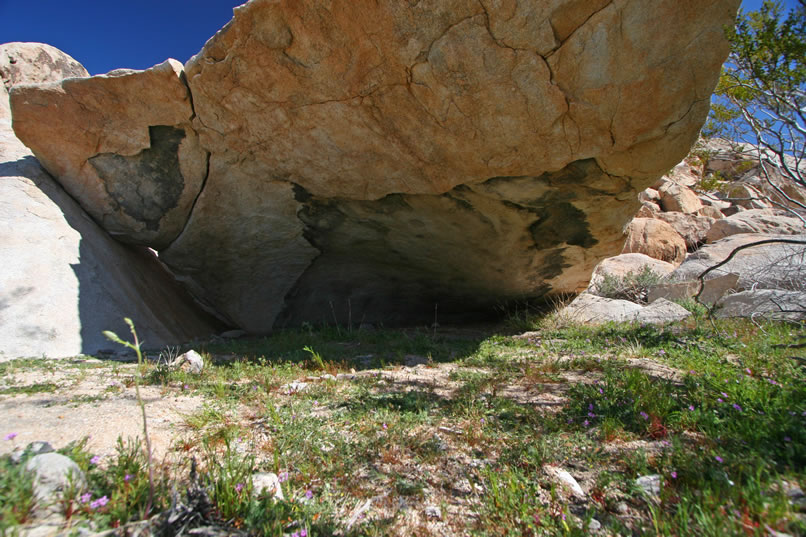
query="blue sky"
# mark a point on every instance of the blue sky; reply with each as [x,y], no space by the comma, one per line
[134,34]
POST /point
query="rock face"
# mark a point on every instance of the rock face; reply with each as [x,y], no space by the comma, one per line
[63,280]
[337,159]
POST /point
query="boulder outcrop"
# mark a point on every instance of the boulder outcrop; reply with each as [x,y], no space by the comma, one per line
[372,161]
[63,280]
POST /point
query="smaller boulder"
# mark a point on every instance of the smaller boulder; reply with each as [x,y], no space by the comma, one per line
[744,195]
[565,479]
[655,238]
[650,194]
[624,264]
[661,311]
[678,198]
[54,476]
[648,210]
[685,175]
[267,484]
[191,362]
[592,309]
[711,212]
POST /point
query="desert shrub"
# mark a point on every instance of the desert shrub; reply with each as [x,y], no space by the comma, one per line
[633,286]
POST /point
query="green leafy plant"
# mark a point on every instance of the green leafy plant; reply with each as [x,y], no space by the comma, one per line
[137,380]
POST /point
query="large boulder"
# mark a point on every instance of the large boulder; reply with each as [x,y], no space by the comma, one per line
[322,159]
[63,280]
[773,265]
[767,221]
[655,238]
[679,198]
[622,265]
[768,303]
[693,228]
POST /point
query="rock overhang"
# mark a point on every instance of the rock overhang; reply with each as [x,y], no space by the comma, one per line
[315,155]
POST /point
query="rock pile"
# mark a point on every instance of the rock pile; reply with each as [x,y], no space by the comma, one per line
[715,201]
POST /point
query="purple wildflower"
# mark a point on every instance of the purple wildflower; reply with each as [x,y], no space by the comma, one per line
[724,395]
[691,407]
[100,502]
[719,459]
[719,400]
[748,371]
[128,477]
[674,475]
[283,477]
[591,415]
[86,497]
[601,390]
[737,407]
[787,439]
[308,494]
[384,427]
[644,415]
[586,423]
[590,406]
[95,460]
[11,436]
[303,533]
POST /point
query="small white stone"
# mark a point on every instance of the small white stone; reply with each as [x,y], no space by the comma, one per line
[432,511]
[650,484]
[191,361]
[566,479]
[267,483]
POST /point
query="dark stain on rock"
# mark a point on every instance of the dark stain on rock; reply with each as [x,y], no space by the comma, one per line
[394,259]
[147,185]
[561,223]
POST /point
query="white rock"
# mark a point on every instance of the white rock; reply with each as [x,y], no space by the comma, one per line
[294,387]
[565,479]
[649,484]
[267,483]
[54,475]
[191,361]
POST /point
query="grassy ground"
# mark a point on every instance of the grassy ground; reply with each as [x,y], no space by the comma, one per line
[461,432]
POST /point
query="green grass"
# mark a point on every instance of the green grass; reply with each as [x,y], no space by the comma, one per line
[717,411]
[39,387]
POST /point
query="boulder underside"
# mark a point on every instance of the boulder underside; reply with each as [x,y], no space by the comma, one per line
[322,161]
